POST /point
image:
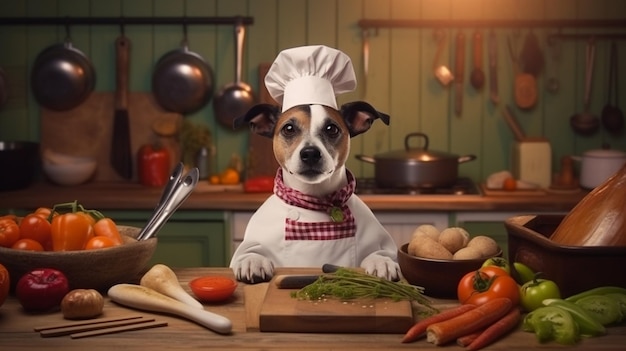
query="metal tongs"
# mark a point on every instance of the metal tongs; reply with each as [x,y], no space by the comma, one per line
[176,191]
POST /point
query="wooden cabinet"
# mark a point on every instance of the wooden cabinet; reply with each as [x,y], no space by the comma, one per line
[188,239]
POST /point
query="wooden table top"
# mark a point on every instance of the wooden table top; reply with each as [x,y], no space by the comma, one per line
[16,331]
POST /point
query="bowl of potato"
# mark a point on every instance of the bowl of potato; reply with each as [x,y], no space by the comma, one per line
[437,260]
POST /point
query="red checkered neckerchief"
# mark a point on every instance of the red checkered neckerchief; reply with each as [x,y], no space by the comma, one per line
[341,224]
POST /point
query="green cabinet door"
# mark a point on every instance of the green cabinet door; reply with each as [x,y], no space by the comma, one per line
[188,239]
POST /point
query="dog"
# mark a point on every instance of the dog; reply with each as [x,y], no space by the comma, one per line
[311,143]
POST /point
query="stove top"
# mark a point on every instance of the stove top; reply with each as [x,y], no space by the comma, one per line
[463,186]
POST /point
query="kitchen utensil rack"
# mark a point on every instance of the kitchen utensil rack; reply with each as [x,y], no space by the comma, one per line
[69,21]
[493,23]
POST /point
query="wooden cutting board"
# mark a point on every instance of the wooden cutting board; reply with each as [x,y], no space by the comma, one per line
[87,130]
[282,313]
[261,160]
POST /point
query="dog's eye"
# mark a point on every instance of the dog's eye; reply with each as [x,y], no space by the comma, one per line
[332,130]
[288,130]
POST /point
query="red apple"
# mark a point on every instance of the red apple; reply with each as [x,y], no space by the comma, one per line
[42,289]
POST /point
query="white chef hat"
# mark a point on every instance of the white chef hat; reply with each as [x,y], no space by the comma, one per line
[310,75]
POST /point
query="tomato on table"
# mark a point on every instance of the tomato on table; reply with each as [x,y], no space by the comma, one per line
[5,283]
[533,293]
[213,288]
[485,284]
[41,289]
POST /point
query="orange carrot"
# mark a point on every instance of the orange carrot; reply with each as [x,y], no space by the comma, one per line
[496,330]
[419,328]
[465,340]
[469,322]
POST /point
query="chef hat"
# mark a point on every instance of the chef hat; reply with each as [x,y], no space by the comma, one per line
[310,75]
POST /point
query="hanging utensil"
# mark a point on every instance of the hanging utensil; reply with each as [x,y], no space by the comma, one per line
[182,80]
[531,57]
[493,67]
[525,85]
[612,116]
[586,123]
[235,99]
[554,46]
[442,72]
[176,191]
[121,157]
[366,58]
[477,77]
[459,73]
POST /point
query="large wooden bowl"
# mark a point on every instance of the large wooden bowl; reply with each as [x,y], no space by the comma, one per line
[438,277]
[96,269]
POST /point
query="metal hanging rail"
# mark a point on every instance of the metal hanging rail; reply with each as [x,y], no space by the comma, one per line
[587,36]
[69,21]
[556,23]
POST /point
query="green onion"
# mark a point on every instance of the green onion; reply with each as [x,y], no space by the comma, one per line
[347,284]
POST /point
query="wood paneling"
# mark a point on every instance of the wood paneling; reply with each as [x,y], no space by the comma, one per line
[400,79]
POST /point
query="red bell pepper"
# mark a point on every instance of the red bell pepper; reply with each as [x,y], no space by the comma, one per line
[154,165]
[260,184]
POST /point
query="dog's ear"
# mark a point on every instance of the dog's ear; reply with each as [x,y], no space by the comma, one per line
[359,116]
[261,119]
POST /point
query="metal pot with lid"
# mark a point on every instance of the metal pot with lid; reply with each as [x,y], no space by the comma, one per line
[416,167]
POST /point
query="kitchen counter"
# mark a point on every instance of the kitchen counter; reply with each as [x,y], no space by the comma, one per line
[132,196]
[16,331]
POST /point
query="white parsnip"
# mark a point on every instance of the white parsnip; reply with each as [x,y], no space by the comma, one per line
[162,279]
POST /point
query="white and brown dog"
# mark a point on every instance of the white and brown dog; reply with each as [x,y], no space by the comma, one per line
[313,217]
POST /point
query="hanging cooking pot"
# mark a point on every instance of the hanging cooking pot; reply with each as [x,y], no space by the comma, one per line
[62,77]
[596,166]
[416,167]
[182,80]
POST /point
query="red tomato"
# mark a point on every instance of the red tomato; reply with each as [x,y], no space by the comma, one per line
[5,283]
[213,288]
[509,184]
[154,165]
[100,242]
[41,289]
[9,232]
[28,245]
[44,212]
[485,284]
[35,227]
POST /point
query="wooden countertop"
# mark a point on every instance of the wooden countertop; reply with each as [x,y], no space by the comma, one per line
[132,196]
[16,329]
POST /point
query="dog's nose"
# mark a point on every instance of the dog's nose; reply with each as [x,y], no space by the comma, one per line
[310,155]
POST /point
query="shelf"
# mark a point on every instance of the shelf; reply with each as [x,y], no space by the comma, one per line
[68,21]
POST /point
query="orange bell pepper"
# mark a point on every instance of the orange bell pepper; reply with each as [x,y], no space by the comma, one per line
[71,231]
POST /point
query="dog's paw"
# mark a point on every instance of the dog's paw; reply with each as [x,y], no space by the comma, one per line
[382,267]
[254,269]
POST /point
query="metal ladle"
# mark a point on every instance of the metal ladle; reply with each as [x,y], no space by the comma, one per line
[612,116]
[586,123]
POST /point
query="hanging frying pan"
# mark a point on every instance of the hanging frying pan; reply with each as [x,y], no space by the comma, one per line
[235,99]
[182,80]
[62,77]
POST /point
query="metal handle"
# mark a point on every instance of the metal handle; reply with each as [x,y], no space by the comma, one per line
[416,134]
[175,193]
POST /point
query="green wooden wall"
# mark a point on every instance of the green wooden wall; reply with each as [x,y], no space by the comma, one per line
[399,82]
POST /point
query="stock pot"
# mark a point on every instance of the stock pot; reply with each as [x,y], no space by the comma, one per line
[416,167]
[596,166]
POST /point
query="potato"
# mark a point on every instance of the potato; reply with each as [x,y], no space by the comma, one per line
[453,239]
[486,245]
[467,253]
[427,229]
[423,246]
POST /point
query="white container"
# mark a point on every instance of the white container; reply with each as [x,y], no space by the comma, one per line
[596,166]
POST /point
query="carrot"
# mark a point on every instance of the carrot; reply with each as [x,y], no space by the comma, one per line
[496,330]
[419,328]
[467,339]
[469,322]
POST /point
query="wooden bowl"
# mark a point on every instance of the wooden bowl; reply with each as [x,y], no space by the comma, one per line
[438,277]
[96,269]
